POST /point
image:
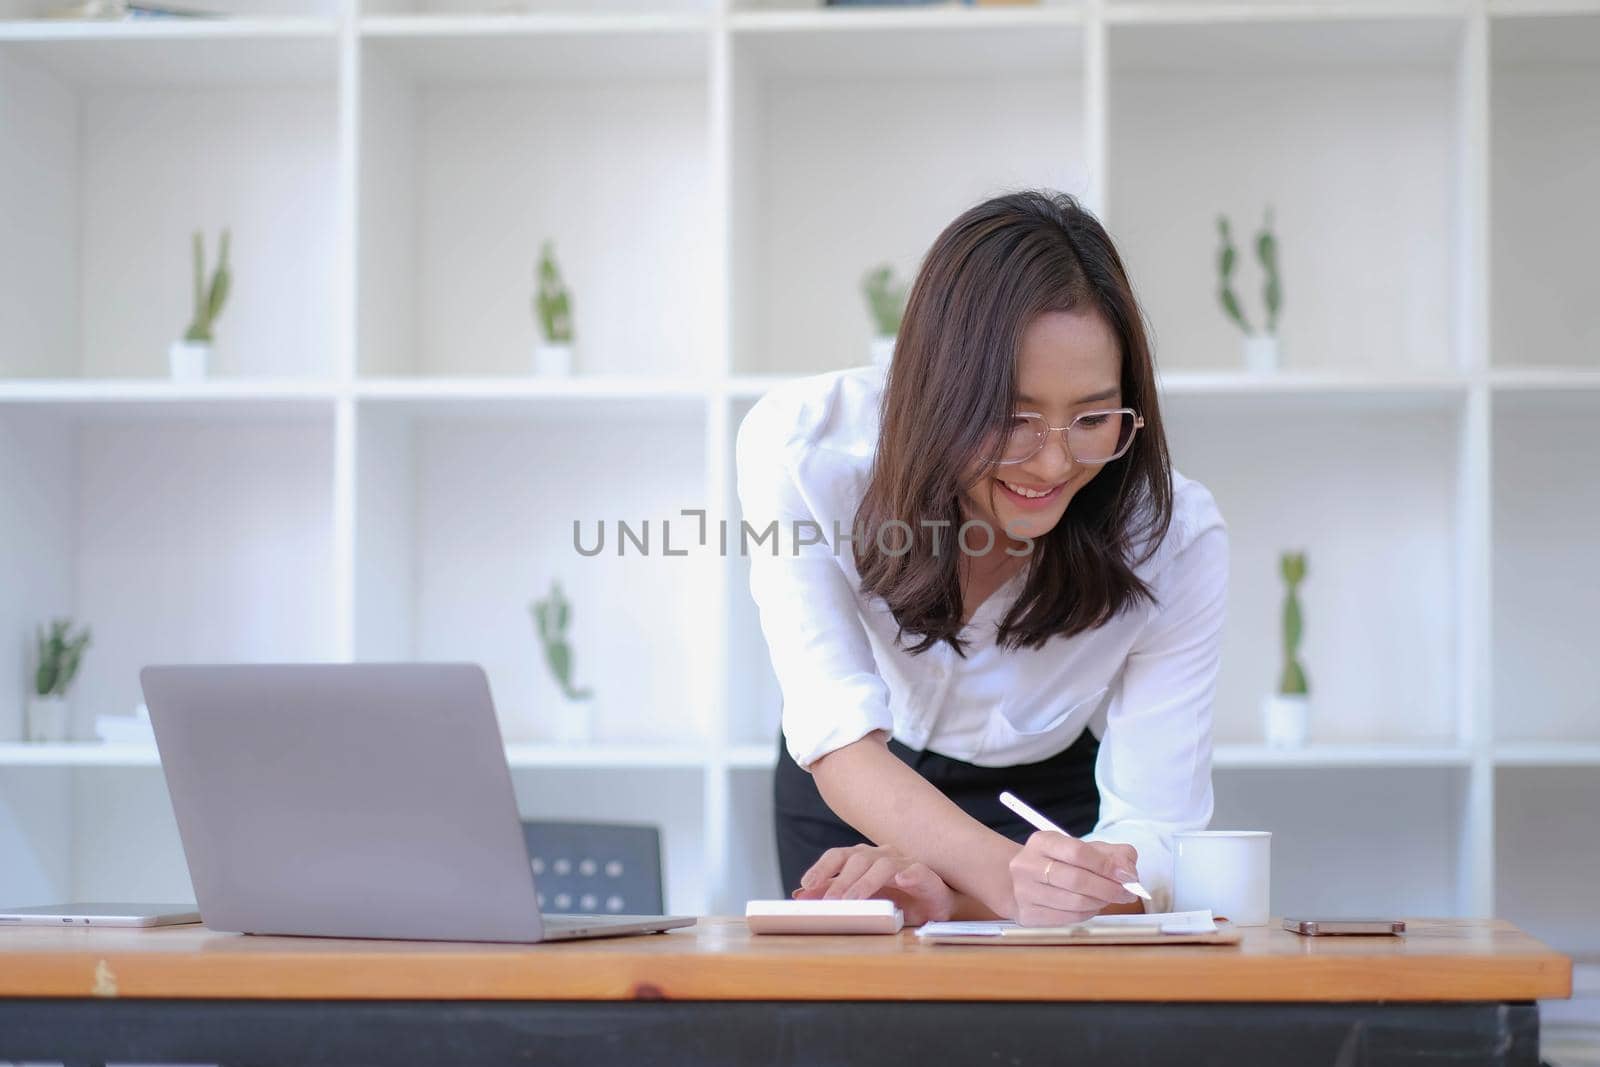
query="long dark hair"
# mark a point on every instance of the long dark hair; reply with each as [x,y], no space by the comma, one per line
[952,385]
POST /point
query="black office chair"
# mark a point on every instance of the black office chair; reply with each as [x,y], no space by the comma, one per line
[595,868]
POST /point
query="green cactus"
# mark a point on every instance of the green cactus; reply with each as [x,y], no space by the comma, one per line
[1293,567]
[1272,284]
[552,305]
[208,304]
[1272,287]
[60,654]
[550,617]
[886,301]
[1227,256]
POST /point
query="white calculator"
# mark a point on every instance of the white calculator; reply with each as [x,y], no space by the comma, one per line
[824,917]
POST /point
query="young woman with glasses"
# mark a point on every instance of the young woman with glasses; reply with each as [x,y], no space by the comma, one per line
[988,577]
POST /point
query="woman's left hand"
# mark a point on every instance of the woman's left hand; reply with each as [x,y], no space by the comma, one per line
[863,872]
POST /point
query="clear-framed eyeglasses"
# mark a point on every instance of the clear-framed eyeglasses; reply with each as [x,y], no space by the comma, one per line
[1093,437]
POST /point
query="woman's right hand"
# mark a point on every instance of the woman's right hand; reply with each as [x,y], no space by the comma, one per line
[1083,878]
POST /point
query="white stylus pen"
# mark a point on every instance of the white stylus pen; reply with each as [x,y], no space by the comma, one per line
[1039,822]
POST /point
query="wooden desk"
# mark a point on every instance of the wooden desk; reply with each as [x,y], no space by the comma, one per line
[716,994]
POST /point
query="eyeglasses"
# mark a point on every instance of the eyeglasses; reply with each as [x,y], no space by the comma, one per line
[1094,437]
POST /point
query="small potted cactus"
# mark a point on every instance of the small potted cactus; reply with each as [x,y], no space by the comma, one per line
[190,356]
[552,308]
[60,653]
[551,617]
[1286,714]
[1261,349]
[886,303]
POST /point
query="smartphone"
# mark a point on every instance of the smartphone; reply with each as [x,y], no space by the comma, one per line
[1320,927]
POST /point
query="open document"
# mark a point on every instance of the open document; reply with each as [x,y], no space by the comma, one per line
[1155,924]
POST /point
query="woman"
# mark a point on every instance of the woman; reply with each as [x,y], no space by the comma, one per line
[988,576]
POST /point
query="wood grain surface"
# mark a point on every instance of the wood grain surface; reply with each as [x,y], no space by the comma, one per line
[719,959]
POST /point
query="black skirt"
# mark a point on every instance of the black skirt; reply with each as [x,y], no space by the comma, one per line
[1061,787]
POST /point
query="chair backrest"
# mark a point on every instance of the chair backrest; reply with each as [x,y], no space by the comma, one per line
[595,868]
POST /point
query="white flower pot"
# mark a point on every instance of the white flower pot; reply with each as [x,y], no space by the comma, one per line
[881,350]
[47,718]
[1261,353]
[1286,720]
[571,722]
[552,361]
[189,360]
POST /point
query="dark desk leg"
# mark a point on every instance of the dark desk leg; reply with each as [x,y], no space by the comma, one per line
[741,1034]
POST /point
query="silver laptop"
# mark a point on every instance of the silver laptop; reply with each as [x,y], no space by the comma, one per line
[353,800]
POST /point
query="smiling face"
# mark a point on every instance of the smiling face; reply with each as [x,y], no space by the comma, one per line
[1069,362]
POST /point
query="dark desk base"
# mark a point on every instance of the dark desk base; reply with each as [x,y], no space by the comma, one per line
[743,1034]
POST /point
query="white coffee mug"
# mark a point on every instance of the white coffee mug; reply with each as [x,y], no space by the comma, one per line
[1227,871]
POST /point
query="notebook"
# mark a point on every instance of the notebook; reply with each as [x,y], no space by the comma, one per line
[1161,928]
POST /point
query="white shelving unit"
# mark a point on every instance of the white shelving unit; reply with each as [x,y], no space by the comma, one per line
[372,474]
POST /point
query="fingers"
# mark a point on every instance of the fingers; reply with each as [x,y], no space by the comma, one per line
[1066,900]
[1072,865]
[872,880]
[1104,859]
[855,865]
[860,872]
[1041,905]
[826,867]
[1124,861]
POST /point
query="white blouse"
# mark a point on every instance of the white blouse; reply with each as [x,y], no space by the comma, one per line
[1143,682]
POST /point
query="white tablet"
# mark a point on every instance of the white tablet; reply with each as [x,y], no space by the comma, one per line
[100,915]
[823,917]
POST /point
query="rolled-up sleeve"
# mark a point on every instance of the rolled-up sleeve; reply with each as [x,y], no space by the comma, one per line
[1154,764]
[832,691]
